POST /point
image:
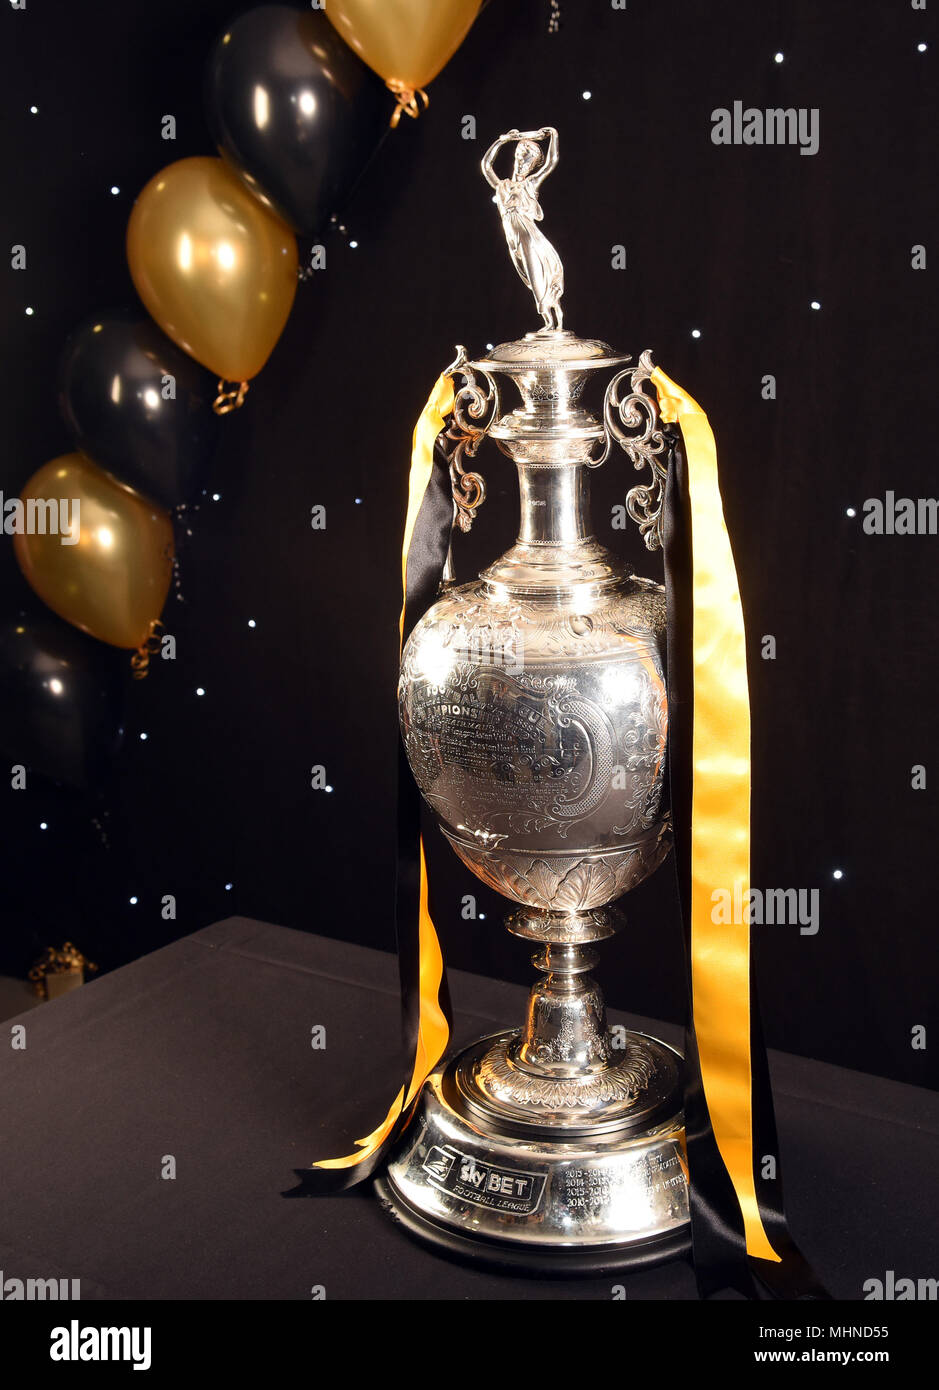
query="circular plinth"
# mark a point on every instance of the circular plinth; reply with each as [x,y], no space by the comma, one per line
[535,1197]
[636,1091]
[558,1263]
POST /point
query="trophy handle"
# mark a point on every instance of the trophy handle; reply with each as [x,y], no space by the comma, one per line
[634,424]
[475,409]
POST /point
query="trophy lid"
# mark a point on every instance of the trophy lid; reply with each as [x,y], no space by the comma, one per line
[550,369]
[550,350]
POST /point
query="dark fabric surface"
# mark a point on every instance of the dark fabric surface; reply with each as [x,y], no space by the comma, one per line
[203,1051]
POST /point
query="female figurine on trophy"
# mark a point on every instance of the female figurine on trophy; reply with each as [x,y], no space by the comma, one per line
[532,254]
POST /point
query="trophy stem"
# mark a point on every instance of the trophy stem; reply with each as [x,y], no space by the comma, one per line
[565,1032]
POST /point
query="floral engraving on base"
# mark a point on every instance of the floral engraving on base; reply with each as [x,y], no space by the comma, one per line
[621,1083]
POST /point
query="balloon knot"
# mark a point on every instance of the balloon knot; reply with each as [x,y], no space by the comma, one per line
[140,661]
[229,398]
[411,100]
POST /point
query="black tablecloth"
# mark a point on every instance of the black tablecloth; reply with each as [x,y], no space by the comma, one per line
[202,1052]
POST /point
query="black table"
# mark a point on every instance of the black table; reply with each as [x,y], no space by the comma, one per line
[202,1052]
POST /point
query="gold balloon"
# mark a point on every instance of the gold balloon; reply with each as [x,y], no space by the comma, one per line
[215,268]
[407,42]
[113,581]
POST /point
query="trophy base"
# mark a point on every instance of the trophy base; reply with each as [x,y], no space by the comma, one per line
[543,1198]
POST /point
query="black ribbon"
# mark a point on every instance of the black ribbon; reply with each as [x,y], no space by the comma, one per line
[427,554]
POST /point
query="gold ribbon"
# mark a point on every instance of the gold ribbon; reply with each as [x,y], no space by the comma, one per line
[720,817]
[230,398]
[410,100]
[433,1031]
[140,661]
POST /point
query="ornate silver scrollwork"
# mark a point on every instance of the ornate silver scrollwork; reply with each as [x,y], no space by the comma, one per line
[475,409]
[633,423]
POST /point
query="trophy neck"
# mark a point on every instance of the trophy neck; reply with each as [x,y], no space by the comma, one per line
[552,440]
[556,558]
[555,505]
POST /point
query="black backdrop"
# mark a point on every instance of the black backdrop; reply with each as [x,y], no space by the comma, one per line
[735,242]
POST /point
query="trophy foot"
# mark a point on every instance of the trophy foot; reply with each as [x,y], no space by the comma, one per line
[542,1194]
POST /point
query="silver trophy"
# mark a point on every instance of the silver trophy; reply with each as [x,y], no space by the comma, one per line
[533,712]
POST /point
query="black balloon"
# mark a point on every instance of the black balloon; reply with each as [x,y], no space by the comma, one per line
[62,696]
[116,398]
[295,111]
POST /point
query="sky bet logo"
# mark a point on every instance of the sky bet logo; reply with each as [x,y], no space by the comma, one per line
[74,1343]
[506,1189]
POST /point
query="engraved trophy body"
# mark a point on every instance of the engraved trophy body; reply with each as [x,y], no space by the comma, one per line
[533,712]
